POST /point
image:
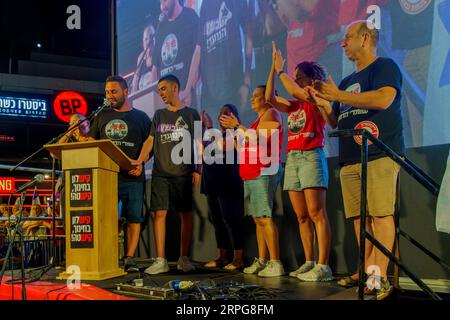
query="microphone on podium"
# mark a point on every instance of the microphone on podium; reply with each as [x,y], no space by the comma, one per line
[95,113]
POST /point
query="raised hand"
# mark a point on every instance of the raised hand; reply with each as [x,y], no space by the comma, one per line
[206,119]
[277,57]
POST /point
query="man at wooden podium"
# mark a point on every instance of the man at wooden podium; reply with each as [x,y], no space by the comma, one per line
[127,128]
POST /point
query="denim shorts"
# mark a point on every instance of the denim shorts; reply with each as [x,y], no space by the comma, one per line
[259,194]
[306,169]
[131,196]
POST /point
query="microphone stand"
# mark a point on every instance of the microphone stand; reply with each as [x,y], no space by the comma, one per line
[91,117]
[17,229]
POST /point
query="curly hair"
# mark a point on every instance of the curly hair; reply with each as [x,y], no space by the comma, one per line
[312,70]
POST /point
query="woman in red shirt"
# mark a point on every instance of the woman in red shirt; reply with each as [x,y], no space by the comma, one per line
[306,171]
[259,148]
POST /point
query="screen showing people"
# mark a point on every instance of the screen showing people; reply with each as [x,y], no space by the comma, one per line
[220,49]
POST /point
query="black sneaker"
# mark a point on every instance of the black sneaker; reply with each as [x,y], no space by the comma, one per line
[130,265]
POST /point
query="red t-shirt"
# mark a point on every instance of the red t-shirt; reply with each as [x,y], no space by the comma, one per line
[306,127]
[352,10]
[251,163]
[307,40]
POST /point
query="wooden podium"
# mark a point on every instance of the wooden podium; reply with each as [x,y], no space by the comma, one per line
[91,207]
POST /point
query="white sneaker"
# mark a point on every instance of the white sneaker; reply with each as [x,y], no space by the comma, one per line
[159,266]
[256,266]
[274,268]
[185,265]
[303,268]
[316,274]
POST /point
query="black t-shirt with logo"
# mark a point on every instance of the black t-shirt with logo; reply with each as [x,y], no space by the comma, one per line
[384,124]
[175,44]
[412,23]
[220,39]
[127,130]
[168,131]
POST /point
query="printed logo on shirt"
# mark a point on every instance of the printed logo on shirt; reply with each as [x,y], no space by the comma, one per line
[296,33]
[413,7]
[169,50]
[354,88]
[116,129]
[216,29]
[296,121]
[172,132]
[371,127]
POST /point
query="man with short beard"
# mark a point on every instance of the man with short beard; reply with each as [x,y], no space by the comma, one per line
[127,128]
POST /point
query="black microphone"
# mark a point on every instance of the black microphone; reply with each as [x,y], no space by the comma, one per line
[37,179]
[95,113]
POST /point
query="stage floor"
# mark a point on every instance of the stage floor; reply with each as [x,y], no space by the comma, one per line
[277,288]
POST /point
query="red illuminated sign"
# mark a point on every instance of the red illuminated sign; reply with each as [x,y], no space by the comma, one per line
[69,102]
[7,185]
[6,138]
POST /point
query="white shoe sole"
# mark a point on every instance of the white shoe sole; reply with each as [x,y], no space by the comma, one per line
[157,272]
[271,275]
[317,280]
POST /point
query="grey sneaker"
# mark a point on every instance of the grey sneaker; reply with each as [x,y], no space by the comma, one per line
[185,265]
[303,269]
[159,266]
[274,268]
[316,274]
[130,265]
[256,266]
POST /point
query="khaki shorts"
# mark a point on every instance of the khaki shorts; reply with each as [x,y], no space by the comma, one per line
[381,187]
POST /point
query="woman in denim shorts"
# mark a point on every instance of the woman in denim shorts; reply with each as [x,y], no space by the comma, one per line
[259,155]
[306,172]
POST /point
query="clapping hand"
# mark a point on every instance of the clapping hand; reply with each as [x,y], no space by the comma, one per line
[327,90]
[228,122]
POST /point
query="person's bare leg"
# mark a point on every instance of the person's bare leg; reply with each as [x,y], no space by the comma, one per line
[271,237]
[219,261]
[133,233]
[305,225]
[370,254]
[384,232]
[159,229]
[316,203]
[262,248]
[237,258]
[186,233]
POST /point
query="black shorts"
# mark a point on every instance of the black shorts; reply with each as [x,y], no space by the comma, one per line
[171,193]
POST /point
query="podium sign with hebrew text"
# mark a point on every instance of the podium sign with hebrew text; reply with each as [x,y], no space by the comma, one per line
[81,188]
